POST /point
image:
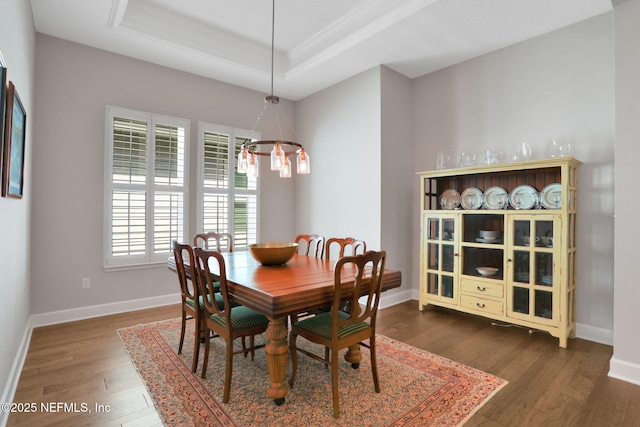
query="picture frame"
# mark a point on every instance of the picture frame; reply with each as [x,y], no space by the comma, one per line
[3,96]
[14,145]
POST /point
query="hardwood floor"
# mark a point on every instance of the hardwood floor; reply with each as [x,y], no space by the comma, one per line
[85,362]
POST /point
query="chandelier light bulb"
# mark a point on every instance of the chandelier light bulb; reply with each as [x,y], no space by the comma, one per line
[285,172]
[254,167]
[302,162]
[243,161]
[277,157]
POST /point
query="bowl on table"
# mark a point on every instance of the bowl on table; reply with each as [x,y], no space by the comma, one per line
[487,271]
[273,253]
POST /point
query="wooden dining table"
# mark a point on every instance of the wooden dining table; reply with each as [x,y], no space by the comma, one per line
[302,284]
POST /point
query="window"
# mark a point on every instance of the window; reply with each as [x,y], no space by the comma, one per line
[145,186]
[227,200]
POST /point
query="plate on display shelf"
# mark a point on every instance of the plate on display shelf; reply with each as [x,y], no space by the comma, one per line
[551,196]
[495,198]
[471,198]
[450,199]
[523,197]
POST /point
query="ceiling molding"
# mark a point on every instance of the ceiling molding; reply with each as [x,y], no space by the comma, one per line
[118,8]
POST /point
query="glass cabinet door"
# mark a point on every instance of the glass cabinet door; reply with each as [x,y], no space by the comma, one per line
[532,267]
[441,257]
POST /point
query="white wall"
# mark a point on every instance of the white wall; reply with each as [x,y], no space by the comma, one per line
[74,82]
[556,86]
[17,44]
[340,127]
[625,363]
[397,175]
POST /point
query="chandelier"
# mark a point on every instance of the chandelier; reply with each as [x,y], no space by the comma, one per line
[281,150]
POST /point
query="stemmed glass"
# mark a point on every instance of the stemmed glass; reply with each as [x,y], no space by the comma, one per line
[471,201]
[517,199]
[502,201]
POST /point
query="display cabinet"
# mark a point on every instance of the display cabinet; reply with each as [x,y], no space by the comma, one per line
[499,241]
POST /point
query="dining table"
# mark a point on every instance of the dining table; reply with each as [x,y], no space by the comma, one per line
[302,284]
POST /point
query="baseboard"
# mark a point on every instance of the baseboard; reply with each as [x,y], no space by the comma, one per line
[9,390]
[625,371]
[591,333]
[82,313]
[393,299]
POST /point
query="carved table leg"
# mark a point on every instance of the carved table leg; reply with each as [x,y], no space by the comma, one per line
[353,354]
[277,351]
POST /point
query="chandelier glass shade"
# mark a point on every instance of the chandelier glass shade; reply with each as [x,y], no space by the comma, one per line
[281,150]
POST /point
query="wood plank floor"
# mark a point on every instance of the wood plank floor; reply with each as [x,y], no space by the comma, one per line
[548,386]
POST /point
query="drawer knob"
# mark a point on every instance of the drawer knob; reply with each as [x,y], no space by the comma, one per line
[479,304]
[481,288]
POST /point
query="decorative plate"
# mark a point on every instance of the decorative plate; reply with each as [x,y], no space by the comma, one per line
[450,199]
[471,198]
[523,197]
[495,198]
[551,196]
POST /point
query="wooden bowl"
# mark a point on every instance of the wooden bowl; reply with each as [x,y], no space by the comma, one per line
[273,253]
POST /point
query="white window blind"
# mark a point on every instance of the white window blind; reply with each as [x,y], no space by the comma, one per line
[228,200]
[145,186]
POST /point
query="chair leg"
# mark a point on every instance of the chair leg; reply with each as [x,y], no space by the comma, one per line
[196,346]
[228,373]
[294,359]
[326,357]
[205,362]
[374,363]
[182,329]
[244,346]
[334,384]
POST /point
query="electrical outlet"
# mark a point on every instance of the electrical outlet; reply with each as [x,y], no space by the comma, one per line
[86,283]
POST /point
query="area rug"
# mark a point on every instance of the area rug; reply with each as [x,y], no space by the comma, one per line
[418,387]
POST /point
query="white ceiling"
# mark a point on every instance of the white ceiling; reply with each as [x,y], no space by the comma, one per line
[317,42]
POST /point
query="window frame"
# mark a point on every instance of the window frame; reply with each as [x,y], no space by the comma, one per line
[233,133]
[149,258]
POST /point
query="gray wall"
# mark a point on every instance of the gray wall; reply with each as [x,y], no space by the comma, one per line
[17,44]
[341,128]
[361,185]
[74,83]
[556,86]
[626,344]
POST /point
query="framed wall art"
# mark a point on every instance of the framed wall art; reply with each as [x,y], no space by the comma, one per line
[3,96]
[14,140]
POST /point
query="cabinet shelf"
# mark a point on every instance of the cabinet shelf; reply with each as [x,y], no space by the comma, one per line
[533,250]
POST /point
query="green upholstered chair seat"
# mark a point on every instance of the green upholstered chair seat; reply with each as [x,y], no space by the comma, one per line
[241,317]
[321,325]
[218,298]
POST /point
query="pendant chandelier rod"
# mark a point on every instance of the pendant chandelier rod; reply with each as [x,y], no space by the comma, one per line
[273,30]
[247,158]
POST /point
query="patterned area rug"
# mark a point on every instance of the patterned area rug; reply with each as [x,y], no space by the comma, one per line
[418,387]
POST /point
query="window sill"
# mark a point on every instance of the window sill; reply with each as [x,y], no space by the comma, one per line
[141,266]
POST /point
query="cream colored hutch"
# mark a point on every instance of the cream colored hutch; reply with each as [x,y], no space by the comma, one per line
[499,241]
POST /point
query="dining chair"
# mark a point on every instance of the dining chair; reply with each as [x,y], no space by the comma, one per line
[229,322]
[223,241]
[354,276]
[189,294]
[314,244]
[356,246]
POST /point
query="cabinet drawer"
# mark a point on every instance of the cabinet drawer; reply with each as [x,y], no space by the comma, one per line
[494,290]
[481,304]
